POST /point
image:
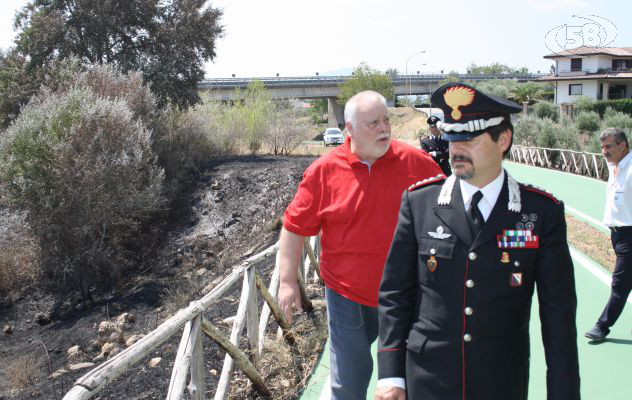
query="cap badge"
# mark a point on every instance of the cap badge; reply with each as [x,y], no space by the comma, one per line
[458,96]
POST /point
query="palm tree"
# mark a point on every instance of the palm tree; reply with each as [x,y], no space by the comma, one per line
[527,91]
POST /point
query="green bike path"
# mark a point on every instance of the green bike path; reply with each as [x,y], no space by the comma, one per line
[604,367]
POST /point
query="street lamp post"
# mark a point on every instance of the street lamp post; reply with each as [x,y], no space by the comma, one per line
[407,77]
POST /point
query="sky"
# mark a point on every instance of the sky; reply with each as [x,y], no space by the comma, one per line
[303,37]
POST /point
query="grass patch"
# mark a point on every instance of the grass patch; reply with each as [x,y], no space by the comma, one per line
[23,372]
[19,257]
[591,241]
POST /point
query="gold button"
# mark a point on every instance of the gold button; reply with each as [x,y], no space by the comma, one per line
[469,283]
[472,256]
[469,311]
[467,337]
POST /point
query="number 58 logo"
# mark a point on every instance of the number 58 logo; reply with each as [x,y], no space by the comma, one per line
[597,32]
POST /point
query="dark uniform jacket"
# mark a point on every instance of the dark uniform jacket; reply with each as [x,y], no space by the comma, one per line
[440,147]
[462,330]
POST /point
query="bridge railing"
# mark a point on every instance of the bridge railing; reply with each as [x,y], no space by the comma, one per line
[190,358]
[581,163]
[218,83]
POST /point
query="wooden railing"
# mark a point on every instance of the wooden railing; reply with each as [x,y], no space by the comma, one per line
[576,162]
[190,358]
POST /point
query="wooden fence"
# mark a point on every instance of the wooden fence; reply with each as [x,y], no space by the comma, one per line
[189,360]
[580,163]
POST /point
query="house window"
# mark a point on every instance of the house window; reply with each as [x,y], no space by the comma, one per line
[575,89]
[576,64]
[617,92]
[621,65]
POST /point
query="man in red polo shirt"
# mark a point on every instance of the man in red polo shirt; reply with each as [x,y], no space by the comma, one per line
[351,195]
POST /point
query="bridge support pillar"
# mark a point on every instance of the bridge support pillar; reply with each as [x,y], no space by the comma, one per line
[335,114]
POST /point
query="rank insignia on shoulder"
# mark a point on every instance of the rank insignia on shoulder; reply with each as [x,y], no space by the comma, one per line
[425,182]
[542,192]
[517,239]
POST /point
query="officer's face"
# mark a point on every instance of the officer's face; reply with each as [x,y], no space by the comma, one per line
[613,151]
[434,131]
[479,160]
[371,133]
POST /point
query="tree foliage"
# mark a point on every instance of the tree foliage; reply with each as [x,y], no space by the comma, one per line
[365,78]
[495,69]
[167,40]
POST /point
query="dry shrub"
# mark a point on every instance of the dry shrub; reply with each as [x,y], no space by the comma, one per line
[287,129]
[23,372]
[83,168]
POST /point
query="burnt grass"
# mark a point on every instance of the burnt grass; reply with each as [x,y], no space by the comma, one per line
[232,211]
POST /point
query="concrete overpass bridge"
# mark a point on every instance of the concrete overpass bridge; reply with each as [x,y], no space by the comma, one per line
[318,87]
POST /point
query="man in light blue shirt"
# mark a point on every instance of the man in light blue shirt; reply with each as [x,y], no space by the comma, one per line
[618,217]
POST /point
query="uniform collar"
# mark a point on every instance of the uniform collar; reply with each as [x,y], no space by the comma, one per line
[514,201]
[490,191]
[354,160]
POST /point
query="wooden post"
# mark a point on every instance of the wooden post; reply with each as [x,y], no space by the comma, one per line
[312,258]
[197,387]
[252,319]
[240,358]
[238,326]
[305,301]
[188,342]
[265,312]
[276,310]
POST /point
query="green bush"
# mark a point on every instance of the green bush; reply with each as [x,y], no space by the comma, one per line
[600,106]
[526,131]
[81,164]
[584,103]
[546,136]
[545,109]
[617,119]
[587,121]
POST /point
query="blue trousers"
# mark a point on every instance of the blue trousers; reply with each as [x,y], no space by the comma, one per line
[352,329]
[621,279]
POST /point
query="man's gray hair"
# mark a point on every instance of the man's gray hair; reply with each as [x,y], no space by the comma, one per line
[352,104]
[616,133]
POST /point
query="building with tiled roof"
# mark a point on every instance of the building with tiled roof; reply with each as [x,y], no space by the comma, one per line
[598,72]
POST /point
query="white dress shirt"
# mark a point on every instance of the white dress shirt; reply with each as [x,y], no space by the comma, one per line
[618,210]
[491,191]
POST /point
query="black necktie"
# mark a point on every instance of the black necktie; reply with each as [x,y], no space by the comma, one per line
[474,216]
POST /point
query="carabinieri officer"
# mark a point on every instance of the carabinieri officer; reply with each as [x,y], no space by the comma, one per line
[435,146]
[455,298]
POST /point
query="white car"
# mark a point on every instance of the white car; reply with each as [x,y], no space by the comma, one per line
[333,136]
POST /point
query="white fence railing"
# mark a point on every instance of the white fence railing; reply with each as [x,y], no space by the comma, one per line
[581,163]
[189,360]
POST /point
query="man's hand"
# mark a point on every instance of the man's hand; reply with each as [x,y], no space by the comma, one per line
[390,393]
[289,297]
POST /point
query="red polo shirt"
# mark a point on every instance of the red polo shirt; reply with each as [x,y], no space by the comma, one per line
[356,208]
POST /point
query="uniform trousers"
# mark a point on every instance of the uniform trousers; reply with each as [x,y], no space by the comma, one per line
[353,328]
[621,278]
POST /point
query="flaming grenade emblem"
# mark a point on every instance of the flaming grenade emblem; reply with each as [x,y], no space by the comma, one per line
[458,96]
